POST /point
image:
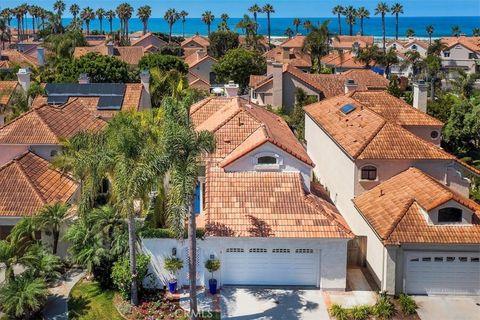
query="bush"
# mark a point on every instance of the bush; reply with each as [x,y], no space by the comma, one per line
[122,277]
[163,63]
[407,304]
[339,312]
[212,265]
[164,233]
[360,312]
[173,265]
[384,308]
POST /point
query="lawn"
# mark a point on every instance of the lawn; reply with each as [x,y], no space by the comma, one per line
[88,301]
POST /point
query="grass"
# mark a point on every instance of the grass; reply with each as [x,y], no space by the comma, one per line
[87,301]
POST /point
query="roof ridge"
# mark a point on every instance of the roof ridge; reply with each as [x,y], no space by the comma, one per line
[31,183]
[333,219]
[373,135]
[394,225]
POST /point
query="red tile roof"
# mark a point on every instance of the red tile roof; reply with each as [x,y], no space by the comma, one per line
[6,90]
[10,58]
[294,42]
[200,40]
[295,57]
[346,42]
[472,43]
[345,59]
[130,55]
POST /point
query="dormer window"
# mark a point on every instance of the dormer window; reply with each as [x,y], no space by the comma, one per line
[450,215]
[394,46]
[369,173]
[266,160]
[414,47]
[446,54]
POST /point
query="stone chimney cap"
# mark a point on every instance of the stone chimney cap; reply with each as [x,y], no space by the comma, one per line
[24,70]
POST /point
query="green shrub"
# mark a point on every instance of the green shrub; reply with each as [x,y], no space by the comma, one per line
[339,312]
[162,233]
[360,312]
[407,304]
[122,277]
[212,265]
[384,308]
[173,265]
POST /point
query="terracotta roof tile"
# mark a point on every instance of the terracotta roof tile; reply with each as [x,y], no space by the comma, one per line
[472,43]
[130,55]
[12,58]
[295,57]
[200,40]
[6,90]
[294,42]
[346,42]
[342,60]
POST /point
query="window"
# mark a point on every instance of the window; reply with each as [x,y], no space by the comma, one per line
[471,55]
[257,250]
[434,134]
[474,259]
[450,215]
[394,46]
[414,47]
[303,250]
[438,259]
[281,251]
[450,259]
[369,173]
[446,54]
[426,259]
[232,250]
[267,160]
[254,94]
[414,260]
[463,259]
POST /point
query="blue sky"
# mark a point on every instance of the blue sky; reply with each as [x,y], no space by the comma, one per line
[283,8]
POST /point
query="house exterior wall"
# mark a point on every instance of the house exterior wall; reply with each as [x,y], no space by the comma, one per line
[203,69]
[154,41]
[145,100]
[290,84]
[333,254]
[459,58]
[466,213]
[45,151]
[425,132]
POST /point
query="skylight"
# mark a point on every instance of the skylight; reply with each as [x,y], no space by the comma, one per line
[346,109]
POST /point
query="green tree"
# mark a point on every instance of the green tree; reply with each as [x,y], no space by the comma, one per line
[388,59]
[144,13]
[268,9]
[171,16]
[100,15]
[255,10]
[87,15]
[368,55]
[409,33]
[207,18]
[221,42]
[50,218]
[162,62]
[122,277]
[362,13]
[296,23]
[110,14]
[288,32]
[432,66]
[183,17]
[317,43]
[429,29]
[463,85]
[307,24]
[456,31]
[59,7]
[238,64]
[338,11]
[476,32]
[382,9]
[297,118]
[351,14]
[163,84]
[223,25]
[75,10]
[396,9]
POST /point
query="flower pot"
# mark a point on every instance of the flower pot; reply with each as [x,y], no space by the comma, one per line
[212,286]
[172,286]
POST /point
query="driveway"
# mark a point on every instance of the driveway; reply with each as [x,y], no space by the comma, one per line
[448,307]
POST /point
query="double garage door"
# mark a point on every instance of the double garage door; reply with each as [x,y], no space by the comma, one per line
[271,266]
[442,273]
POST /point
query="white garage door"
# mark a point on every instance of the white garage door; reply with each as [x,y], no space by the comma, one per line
[278,266]
[443,273]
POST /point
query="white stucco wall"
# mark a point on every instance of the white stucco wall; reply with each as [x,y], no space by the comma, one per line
[425,132]
[45,151]
[459,58]
[203,69]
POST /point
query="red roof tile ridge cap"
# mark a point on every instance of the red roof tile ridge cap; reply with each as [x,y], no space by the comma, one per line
[372,136]
[404,211]
[225,162]
[200,104]
[31,183]
[221,124]
[24,115]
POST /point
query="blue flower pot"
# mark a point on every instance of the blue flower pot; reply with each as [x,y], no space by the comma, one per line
[212,286]
[172,286]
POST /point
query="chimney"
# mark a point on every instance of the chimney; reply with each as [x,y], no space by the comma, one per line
[110,48]
[23,76]
[285,54]
[420,95]
[269,67]
[231,89]
[201,54]
[350,85]
[277,84]
[145,80]
[41,56]
[83,78]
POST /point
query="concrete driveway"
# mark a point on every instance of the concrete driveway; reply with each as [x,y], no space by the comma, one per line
[250,303]
[448,307]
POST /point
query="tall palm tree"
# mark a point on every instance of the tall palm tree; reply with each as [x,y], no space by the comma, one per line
[17,12]
[289,33]
[223,25]
[100,15]
[268,9]
[120,11]
[338,11]
[59,7]
[183,17]
[362,13]
[171,16]
[110,14]
[410,33]
[207,18]
[396,9]
[296,23]
[429,29]
[464,84]
[316,43]
[51,218]
[6,14]
[128,10]
[456,31]
[144,13]
[4,32]
[476,32]
[307,24]
[87,15]
[255,10]
[351,14]
[75,10]
[382,9]
[32,11]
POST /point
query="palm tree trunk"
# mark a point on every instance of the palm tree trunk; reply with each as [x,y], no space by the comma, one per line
[192,264]
[111,30]
[208,28]
[361,26]
[18,31]
[126,29]
[101,26]
[396,26]
[33,24]
[56,235]
[144,27]
[383,30]
[88,26]
[339,24]
[183,29]
[351,29]
[268,22]
[432,88]
[170,33]
[429,39]
[133,259]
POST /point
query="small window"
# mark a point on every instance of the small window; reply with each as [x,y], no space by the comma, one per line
[257,250]
[346,109]
[446,54]
[281,251]
[434,134]
[450,259]
[232,250]
[426,259]
[414,47]
[463,259]
[438,259]
[267,160]
[450,215]
[474,259]
[369,173]
[471,55]
[254,94]
[414,260]
[303,250]
[394,46]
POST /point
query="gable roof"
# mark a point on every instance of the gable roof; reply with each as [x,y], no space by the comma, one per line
[6,90]
[394,210]
[200,40]
[294,42]
[147,35]
[471,43]
[348,41]
[130,55]
[295,57]
[345,59]
[48,124]
[10,58]
[28,183]
[192,60]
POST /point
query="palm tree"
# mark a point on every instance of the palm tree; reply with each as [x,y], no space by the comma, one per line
[18,16]
[268,9]
[110,14]
[207,18]
[316,43]
[171,16]
[59,7]
[75,10]
[307,24]
[7,15]
[362,13]
[32,11]
[87,15]
[100,14]
[128,10]
[387,60]
[409,33]
[124,12]
[338,11]
[51,218]
[289,33]
[296,23]
[186,146]
[382,9]
[223,25]
[144,13]
[456,31]
[476,32]
[429,29]
[351,15]
[4,32]
[255,10]
[464,84]
[368,55]
[183,16]
[396,9]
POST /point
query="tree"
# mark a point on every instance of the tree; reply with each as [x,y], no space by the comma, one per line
[413,59]
[144,13]
[396,9]
[183,17]
[221,42]
[51,218]
[207,18]
[338,11]
[307,24]
[432,65]
[255,10]
[297,118]
[429,29]
[87,15]
[4,32]
[388,59]
[382,9]
[223,25]
[289,33]
[124,12]
[476,32]
[410,33]
[100,15]
[362,13]
[238,64]
[368,55]
[351,14]
[110,14]
[296,23]
[316,43]
[171,16]
[463,85]
[268,9]
[122,278]
[163,62]
[59,7]
[163,84]
[456,31]
[74,10]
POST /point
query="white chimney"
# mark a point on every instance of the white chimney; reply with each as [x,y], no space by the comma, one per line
[41,56]
[23,76]
[145,80]
[269,67]
[277,95]
[350,85]
[285,54]
[201,54]
[420,95]
[110,48]
[83,78]
[231,89]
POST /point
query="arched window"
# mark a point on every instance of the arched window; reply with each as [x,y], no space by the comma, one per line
[266,160]
[450,214]
[369,173]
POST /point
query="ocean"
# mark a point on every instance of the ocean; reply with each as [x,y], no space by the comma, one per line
[372,26]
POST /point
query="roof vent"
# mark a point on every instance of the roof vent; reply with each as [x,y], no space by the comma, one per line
[346,109]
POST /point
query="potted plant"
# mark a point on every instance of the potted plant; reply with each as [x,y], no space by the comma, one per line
[212,265]
[173,265]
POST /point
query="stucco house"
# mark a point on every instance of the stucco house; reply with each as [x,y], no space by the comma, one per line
[295,42]
[292,56]
[461,53]
[10,58]
[421,46]
[129,54]
[256,204]
[149,42]
[192,44]
[200,74]
[346,43]
[364,146]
